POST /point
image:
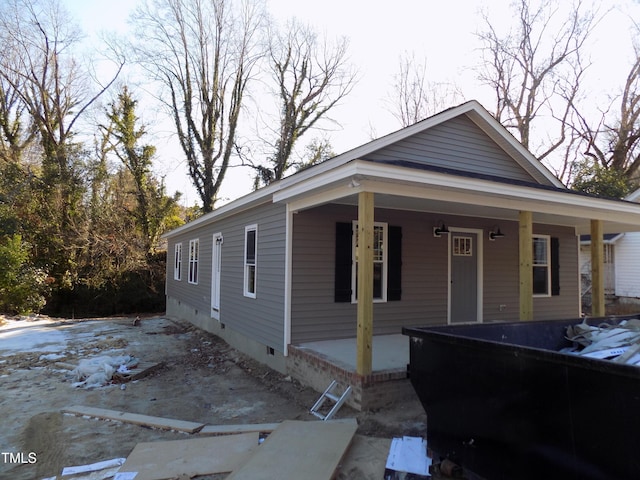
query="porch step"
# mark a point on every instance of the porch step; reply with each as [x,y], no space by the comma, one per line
[331,393]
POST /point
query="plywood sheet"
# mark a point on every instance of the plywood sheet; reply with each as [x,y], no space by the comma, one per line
[310,450]
[135,418]
[198,456]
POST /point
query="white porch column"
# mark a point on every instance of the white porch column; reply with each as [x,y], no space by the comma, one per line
[364,362]
[526,265]
[597,269]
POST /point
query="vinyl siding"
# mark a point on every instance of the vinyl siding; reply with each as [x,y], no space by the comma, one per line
[627,265]
[260,318]
[458,144]
[315,315]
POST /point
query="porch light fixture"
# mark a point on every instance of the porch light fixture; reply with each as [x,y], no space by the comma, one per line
[495,233]
[438,231]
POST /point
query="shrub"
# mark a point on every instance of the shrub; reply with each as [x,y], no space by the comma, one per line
[23,287]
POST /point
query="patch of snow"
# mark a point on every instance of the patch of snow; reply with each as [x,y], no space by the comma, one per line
[52,356]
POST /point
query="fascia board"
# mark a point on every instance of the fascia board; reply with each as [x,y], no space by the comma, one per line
[485,192]
[382,178]
[241,204]
[320,181]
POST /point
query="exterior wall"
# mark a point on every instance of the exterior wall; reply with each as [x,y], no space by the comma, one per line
[260,319]
[273,359]
[627,265]
[315,315]
[457,144]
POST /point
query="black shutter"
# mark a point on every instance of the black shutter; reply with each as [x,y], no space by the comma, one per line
[344,246]
[394,266]
[555,266]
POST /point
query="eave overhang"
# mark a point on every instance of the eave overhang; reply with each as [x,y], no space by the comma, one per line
[423,190]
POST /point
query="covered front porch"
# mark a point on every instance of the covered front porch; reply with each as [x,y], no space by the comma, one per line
[369,193]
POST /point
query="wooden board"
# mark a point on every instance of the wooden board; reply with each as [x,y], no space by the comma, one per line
[310,450]
[197,456]
[226,429]
[137,419]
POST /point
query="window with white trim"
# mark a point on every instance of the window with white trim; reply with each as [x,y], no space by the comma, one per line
[541,265]
[194,254]
[250,260]
[177,262]
[379,262]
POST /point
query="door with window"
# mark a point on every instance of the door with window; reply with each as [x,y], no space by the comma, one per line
[464,290]
[216,269]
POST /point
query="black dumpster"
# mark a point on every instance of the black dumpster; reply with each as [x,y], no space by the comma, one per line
[504,403]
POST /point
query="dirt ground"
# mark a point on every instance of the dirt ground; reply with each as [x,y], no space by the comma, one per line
[203,380]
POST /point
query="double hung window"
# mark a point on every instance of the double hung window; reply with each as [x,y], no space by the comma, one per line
[379,262]
[177,262]
[194,254]
[541,265]
[250,260]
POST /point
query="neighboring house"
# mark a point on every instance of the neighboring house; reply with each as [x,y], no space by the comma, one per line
[621,262]
[461,224]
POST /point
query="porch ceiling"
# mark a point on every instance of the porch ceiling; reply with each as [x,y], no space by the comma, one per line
[407,189]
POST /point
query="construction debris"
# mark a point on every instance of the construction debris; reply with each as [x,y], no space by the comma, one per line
[617,342]
[198,456]
[98,371]
[408,455]
[95,471]
[136,419]
[229,429]
[297,449]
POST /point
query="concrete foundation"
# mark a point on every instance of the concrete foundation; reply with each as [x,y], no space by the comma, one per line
[273,359]
[311,367]
[369,392]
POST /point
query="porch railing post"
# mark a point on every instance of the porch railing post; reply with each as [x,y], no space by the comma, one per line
[526,265]
[597,269]
[364,362]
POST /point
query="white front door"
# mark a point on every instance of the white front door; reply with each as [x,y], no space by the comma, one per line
[216,268]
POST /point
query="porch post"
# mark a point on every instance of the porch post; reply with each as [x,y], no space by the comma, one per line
[365,284]
[597,269]
[526,265]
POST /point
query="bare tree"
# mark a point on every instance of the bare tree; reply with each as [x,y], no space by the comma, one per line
[535,69]
[311,77]
[414,96]
[614,142]
[38,69]
[42,71]
[203,52]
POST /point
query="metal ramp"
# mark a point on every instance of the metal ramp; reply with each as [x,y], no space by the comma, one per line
[330,394]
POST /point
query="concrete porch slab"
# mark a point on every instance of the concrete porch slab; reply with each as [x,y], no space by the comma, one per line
[390,352]
[316,364]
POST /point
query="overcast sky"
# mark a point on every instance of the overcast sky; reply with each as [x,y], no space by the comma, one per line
[379,33]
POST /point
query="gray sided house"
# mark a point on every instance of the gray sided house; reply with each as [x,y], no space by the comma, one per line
[449,220]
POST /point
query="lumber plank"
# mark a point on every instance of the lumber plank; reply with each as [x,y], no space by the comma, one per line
[227,429]
[136,419]
[297,449]
[192,457]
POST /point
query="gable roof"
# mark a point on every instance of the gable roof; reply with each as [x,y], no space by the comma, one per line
[399,183]
[475,112]
[633,196]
